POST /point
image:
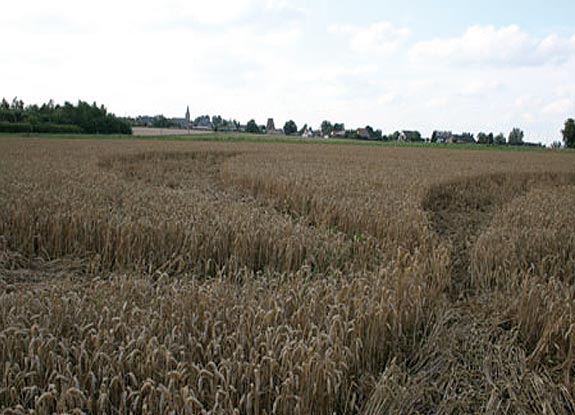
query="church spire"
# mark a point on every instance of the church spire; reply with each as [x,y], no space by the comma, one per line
[188,114]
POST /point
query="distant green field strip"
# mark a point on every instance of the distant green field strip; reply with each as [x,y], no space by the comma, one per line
[258,138]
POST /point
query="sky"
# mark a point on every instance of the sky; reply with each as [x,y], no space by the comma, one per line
[446,64]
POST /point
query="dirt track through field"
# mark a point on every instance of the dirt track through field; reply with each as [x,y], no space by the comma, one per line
[461,210]
[471,362]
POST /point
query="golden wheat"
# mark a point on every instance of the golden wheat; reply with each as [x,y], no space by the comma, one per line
[153,277]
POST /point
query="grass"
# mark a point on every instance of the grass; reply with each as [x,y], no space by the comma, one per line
[193,276]
[262,138]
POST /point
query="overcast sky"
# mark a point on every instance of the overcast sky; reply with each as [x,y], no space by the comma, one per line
[446,64]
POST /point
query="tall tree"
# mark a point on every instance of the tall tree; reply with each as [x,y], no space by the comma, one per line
[337,127]
[252,127]
[499,139]
[217,120]
[290,127]
[516,137]
[326,128]
[569,133]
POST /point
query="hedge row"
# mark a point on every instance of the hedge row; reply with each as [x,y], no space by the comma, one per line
[23,127]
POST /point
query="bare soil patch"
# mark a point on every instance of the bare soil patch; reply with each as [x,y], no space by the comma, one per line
[148,131]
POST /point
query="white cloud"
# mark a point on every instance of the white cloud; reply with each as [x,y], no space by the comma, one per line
[559,107]
[489,45]
[377,38]
[388,98]
[149,57]
[566,90]
[476,88]
[272,58]
[214,11]
[37,16]
[438,102]
[555,48]
[525,101]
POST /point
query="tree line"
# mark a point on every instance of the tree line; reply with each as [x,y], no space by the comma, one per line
[338,130]
[82,118]
[85,118]
[516,137]
[328,129]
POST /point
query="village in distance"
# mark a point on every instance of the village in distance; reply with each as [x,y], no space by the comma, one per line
[327,130]
[85,118]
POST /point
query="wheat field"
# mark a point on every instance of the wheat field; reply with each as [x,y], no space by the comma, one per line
[158,277]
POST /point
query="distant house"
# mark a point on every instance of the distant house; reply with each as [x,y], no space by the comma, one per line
[409,136]
[440,136]
[145,120]
[464,138]
[180,122]
[202,128]
[308,133]
[447,137]
[203,123]
[363,133]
